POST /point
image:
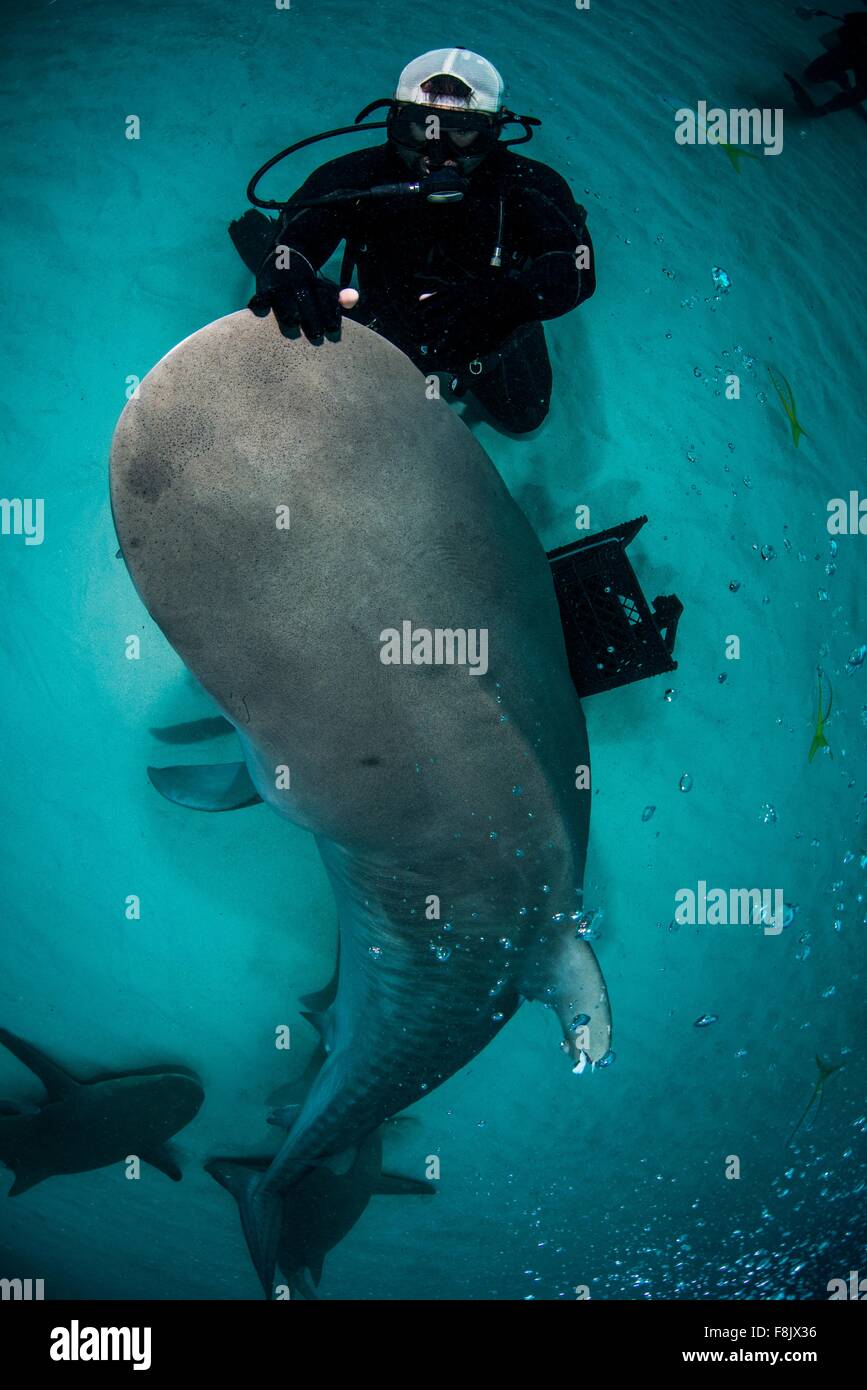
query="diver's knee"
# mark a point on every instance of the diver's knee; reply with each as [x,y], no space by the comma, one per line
[528,418]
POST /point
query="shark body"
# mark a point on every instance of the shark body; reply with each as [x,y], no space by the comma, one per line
[444,803]
[82,1125]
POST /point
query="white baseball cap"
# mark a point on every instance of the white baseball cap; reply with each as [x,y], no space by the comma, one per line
[482,78]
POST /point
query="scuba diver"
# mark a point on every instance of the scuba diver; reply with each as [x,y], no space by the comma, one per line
[460,246]
[847,52]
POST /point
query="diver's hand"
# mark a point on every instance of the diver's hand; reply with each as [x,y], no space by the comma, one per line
[301,300]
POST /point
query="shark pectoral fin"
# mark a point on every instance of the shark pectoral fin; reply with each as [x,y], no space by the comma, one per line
[284,1116]
[570,982]
[396,1185]
[194,730]
[57,1082]
[25,1179]
[11,1107]
[261,1213]
[212,787]
[162,1157]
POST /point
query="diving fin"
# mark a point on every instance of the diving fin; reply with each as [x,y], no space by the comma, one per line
[57,1082]
[396,1185]
[210,787]
[801,95]
[252,237]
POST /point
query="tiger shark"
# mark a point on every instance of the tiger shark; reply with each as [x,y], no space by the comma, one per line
[283,509]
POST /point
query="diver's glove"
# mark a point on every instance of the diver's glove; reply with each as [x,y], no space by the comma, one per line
[301,299]
[475,317]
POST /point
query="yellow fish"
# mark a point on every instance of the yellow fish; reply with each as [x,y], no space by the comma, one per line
[735,155]
[787,400]
[819,739]
[814,1104]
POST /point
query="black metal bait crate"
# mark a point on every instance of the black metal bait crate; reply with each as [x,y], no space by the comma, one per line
[613,636]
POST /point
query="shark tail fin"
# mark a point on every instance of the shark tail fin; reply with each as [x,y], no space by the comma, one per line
[261,1212]
[303,1284]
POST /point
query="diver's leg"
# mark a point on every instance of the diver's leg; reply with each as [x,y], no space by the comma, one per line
[829,67]
[517,392]
[841,102]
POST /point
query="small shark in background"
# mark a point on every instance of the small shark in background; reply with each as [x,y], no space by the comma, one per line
[324,1206]
[333,1196]
[82,1125]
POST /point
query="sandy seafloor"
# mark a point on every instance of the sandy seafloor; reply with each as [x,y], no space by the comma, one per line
[115,250]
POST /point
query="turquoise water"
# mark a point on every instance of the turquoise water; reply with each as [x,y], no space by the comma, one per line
[116,250]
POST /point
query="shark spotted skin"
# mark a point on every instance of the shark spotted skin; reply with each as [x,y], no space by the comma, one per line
[444,803]
[82,1125]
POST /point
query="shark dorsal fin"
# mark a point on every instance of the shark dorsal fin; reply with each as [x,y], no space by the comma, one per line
[57,1082]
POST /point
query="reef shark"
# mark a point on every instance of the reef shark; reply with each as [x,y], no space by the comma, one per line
[82,1125]
[327,1203]
[322,1208]
[281,506]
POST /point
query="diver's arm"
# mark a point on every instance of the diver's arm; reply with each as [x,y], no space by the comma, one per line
[287,280]
[315,232]
[561,273]
[561,280]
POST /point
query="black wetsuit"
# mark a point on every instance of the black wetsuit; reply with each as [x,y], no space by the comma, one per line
[847,54]
[403,247]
